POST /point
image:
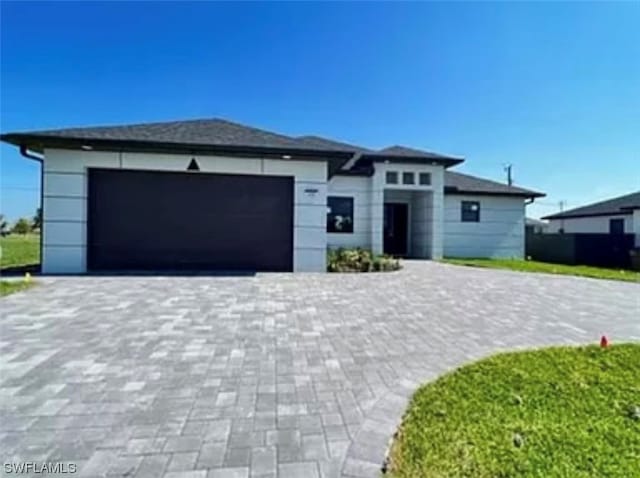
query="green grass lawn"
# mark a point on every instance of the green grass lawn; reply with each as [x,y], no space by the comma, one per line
[534,266]
[9,287]
[19,251]
[556,412]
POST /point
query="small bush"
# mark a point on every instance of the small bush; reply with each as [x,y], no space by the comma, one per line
[359,260]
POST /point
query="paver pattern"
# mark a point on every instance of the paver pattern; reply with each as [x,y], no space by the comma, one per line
[277,375]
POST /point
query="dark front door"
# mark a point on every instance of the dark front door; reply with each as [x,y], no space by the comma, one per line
[396,216]
[189,221]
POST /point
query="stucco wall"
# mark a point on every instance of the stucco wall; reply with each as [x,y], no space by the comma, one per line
[593,225]
[420,219]
[65,200]
[358,188]
[370,194]
[432,209]
[500,232]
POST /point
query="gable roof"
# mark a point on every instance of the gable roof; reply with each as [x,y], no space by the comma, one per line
[619,205]
[458,183]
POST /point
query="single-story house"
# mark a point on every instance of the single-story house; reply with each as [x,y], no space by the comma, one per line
[620,215]
[535,226]
[212,194]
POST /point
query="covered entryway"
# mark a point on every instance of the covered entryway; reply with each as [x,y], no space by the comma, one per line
[151,220]
[408,223]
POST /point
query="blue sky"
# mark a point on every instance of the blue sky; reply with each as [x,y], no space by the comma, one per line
[553,88]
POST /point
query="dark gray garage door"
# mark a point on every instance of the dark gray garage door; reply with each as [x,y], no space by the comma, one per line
[189,221]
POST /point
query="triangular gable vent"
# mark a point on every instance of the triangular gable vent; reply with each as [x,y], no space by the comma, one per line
[193,165]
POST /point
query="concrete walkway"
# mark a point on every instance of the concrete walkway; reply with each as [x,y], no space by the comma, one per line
[283,375]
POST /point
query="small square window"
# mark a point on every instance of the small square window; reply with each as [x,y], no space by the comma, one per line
[339,214]
[392,177]
[470,211]
[408,178]
[616,226]
[424,179]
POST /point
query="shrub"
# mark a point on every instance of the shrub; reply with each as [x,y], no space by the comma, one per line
[22,226]
[359,260]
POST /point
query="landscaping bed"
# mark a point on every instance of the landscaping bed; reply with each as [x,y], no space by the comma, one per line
[556,412]
[535,266]
[359,260]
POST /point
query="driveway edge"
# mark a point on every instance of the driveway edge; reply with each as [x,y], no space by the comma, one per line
[366,453]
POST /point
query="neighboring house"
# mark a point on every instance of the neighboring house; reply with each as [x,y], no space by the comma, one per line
[535,226]
[620,215]
[212,194]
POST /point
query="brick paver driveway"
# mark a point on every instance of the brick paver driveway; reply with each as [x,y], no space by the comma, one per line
[274,375]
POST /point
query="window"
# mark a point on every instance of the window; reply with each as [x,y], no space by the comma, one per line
[339,214]
[424,179]
[470,211]
[408,178]
[616,226]
[392,177]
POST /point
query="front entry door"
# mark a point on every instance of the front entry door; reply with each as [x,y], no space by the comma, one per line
[396,216]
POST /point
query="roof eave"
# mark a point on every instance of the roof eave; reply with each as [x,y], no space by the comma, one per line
[524,194]
[446,162]
[38,143]
[620,212]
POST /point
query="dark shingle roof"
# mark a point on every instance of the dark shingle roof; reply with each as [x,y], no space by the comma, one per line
[619,205]
[458,183]
[404,154]
[211,132]
[398,150]
[320,142]
[219,135]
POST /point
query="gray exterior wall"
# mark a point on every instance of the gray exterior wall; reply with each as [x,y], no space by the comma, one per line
[499,233]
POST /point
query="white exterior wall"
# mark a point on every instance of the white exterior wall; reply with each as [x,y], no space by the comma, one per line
[635,224]
[431,209]
[358,188]
[65,200]
[421,220]
[369,195]
[593,225]
[500,232]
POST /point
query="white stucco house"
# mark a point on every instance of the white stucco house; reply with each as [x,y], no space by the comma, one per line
[212,194]
[619,215]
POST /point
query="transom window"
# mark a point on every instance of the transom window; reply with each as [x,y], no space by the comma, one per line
[470,211]
[392,177]
[424,179]
[339,214]
[408,178]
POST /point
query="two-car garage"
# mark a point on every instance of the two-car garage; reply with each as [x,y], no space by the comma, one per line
[153,220]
